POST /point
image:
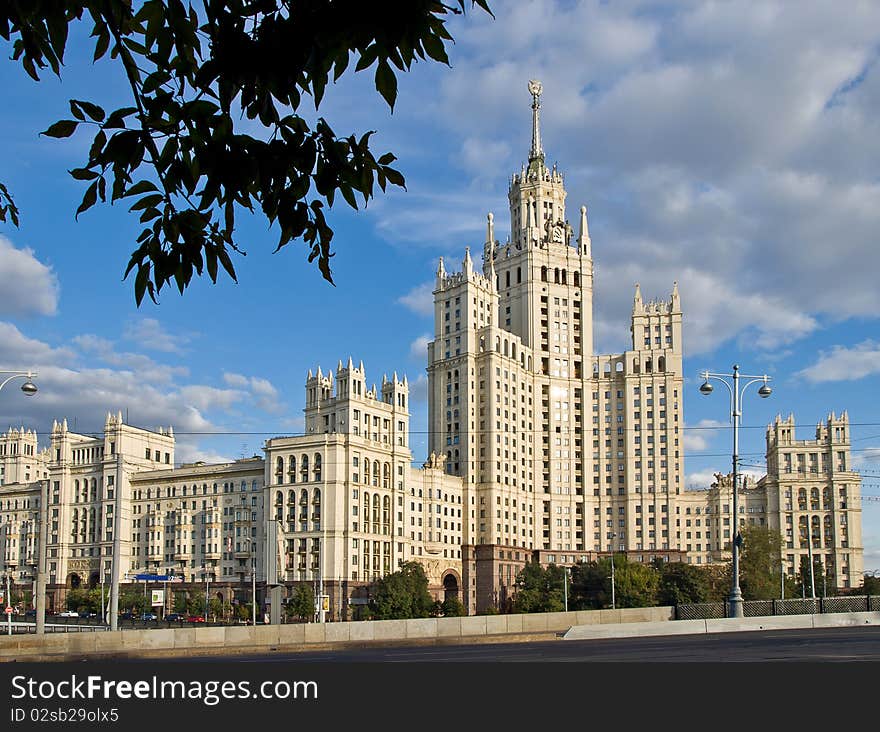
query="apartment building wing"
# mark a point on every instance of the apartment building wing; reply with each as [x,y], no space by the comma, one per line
[813,491]
[200,521]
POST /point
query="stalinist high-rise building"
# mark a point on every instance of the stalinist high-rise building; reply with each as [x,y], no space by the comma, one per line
[561,451]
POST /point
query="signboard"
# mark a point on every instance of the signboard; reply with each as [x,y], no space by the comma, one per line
[325,602]
[157,598]
[157,578]
[8,610]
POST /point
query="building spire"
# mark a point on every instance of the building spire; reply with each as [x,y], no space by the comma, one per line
[537,152]
[584,234]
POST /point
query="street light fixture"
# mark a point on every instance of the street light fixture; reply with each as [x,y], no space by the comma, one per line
[28,387]
[736,393]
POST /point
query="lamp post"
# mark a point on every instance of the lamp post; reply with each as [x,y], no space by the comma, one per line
[565,586]
[736,393]
[207,582]
[613,537]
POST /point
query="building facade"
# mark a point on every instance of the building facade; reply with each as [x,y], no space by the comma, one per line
[560,450]
[540,449]
[348,505]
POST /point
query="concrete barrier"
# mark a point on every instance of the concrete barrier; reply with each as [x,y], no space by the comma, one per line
[721,625]
[190,641]
[633,630]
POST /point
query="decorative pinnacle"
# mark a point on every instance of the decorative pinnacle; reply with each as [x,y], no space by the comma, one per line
[535,90]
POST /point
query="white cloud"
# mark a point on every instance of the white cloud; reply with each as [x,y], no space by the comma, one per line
[701,480]
[418,349]
[264,394]
[145,367]
[845,364]
[187,453]
[18,351]
[208,397]
[418,390]
[865,456]
[27,286]
[696,437]
[420,299]
[149,333]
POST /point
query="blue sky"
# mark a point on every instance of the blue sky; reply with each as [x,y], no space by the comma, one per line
[732,147]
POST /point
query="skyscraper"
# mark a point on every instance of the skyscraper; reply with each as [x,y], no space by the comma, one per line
[561,451]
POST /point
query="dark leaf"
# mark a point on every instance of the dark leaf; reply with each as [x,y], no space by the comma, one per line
[89,199]
[102,44]
[93,110]
[140,187]
[386,83]
[83,174]
[434,48]
[62,128]
[149,200]
[395,177]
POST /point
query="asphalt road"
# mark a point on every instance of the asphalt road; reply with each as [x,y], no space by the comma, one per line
[832,644]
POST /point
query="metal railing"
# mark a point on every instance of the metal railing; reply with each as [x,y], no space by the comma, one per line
[795,606]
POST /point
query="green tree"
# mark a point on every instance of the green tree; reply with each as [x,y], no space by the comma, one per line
[870,585]
[195,603]
[302,602]
[179,603]
[218,609]
[539,589]
[802,585]
[201,78]
[132,600]
[590,587]
[402,594]
[759,566]
[635,584]
[78,600]
[718,577]
[452,607]
[681,583]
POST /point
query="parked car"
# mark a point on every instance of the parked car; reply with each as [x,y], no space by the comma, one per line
[127,615]
[175,617]
[87,614]
[30,613]
[149,616]
[68,614]
[196,619]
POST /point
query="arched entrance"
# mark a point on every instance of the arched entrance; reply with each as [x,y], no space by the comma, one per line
[74,581]
[94,580]
[450,586]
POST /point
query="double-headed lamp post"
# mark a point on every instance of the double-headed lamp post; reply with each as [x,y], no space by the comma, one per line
[736,393]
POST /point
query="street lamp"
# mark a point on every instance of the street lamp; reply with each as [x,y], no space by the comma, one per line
[736,393]
[28,387]
[613,536]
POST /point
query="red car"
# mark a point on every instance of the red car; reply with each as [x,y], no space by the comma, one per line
[196,619]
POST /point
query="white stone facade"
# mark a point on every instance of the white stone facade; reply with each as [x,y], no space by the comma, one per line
[539,449]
